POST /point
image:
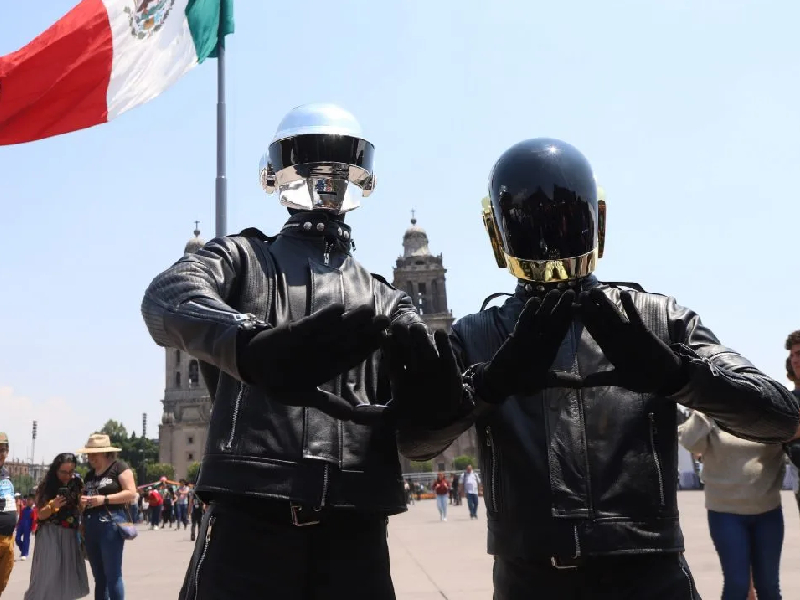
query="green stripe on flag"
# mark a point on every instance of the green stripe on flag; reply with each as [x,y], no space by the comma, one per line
[209,22]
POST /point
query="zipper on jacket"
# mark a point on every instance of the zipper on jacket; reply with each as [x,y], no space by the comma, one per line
[652,418]
[236,405]
[493,463]
[577,542]
[327,254]
[202,558]
[245,320]
[324,485]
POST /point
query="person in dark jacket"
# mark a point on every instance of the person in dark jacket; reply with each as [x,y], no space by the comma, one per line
[288,331]
[575,384]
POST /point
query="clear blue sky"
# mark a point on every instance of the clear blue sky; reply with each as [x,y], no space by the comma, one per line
[687,110]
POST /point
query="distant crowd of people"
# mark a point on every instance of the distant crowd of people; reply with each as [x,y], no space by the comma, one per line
[449,492]
[78,520]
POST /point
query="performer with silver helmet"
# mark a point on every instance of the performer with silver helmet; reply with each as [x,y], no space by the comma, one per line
[575,385]
[289,329]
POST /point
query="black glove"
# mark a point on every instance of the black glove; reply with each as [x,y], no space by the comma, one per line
[291,361]
[521,365]
[425,379]
[642,362]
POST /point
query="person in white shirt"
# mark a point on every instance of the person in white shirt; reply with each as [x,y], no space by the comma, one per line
[470,483]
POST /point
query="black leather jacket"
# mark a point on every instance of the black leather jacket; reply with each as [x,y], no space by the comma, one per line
[572,473]
[258,447]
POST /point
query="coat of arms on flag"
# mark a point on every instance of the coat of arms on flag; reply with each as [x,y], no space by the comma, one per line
[147,16]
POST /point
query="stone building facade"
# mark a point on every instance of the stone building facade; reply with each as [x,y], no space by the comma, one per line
[187,404]
[422,276]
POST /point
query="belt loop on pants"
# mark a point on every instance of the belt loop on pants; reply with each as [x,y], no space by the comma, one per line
[303,515]
[557,563]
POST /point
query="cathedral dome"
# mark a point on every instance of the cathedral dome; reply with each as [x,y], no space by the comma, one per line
[194,244]
[415,240]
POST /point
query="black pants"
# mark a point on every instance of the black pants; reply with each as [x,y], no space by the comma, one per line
[197,519]
[640,577]
[247,554]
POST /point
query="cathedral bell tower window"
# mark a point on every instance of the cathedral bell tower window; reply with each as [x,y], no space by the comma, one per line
[177,379]
[194,373]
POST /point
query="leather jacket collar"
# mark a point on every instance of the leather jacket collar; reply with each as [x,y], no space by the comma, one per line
[315,224]
[528,289]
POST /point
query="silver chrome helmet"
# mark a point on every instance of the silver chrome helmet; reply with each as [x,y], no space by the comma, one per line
[317,151]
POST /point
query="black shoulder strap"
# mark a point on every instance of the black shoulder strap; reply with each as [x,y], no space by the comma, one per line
[382,279]
[492,297]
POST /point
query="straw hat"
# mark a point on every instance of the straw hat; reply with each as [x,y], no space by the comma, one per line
[98,442]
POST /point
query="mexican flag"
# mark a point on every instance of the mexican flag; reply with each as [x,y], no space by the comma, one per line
[103,58]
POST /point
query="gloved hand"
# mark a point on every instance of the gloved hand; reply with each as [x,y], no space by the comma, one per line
[291,361]
[522,364]
[426,381]
[642,362]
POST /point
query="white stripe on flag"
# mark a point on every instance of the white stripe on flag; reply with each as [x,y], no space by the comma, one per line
[147,61]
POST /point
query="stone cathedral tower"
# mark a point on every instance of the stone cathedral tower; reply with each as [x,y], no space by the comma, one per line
[187,404]
[421,275]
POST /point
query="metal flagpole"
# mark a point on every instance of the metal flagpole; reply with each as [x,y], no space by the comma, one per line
[221,181]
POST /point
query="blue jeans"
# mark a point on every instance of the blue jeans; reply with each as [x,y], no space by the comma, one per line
[472,504]
[104,550]
[441,504]
[745,543]
[182,514]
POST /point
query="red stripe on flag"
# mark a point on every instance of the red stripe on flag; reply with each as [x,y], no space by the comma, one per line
[58,82]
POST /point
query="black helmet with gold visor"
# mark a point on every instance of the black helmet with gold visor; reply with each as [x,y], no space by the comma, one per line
[545,214]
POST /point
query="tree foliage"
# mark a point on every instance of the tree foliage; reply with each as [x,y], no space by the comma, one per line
[23,484]
[116,431]
[193,472]
[135,450]
[156,471]
[460,462]
[425,466]
[82,469]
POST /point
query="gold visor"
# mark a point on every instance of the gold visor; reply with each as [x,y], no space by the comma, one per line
[545,271]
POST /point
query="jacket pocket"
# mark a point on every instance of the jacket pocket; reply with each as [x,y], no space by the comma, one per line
[656,459]
[237,407]
[491,481]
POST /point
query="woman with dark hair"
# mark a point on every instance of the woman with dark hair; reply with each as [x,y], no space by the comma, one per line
[109,489]
[58,571]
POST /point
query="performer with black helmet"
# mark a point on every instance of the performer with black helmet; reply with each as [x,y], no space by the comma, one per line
[288,329]
[575,387]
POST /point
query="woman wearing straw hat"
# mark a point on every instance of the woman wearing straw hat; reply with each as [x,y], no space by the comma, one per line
[109,489]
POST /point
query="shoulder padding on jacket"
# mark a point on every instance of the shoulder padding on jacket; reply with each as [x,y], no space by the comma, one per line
[624,284]
[253,232]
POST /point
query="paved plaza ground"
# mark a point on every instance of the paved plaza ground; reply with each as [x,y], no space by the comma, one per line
[431,560]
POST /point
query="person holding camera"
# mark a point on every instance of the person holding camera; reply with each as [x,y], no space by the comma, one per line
[58,570]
